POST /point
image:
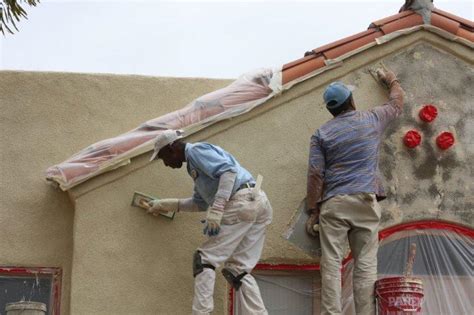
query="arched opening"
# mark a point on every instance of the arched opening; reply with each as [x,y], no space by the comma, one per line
[443,261]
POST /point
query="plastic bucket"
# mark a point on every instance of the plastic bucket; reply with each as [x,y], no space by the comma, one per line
[399,295]
[26,308]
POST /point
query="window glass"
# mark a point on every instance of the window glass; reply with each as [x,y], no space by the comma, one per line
[26,285]
[288,292]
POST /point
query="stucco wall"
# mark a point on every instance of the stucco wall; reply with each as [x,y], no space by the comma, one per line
[46,117]
[126,262]
[129,262]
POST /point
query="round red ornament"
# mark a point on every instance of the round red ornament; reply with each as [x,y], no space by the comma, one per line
[412,139]
[428,113]
[445,140]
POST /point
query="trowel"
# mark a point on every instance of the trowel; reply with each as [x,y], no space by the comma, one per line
[141,200]
[296,232]
[374,71]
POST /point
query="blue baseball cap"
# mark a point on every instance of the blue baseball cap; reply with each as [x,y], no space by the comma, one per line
[336,94]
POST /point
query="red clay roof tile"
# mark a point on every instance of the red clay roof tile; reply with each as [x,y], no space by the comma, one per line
[351,45]
[445,23]
[302,68]
[465,34]
[298,61]
[456,25]
[465,22]
[344,41]
[391,18]
[405,22]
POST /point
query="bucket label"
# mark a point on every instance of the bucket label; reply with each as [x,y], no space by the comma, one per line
[403,301]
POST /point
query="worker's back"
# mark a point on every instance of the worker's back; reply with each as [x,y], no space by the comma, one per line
[350,143]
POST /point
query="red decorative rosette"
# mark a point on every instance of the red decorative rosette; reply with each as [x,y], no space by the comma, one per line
[428,113]
[412,139]
[445,140]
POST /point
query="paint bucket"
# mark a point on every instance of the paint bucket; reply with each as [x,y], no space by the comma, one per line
[26,308]
[399,296]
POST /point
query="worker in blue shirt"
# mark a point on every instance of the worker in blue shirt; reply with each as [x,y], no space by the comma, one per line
[238,213]
[344,188]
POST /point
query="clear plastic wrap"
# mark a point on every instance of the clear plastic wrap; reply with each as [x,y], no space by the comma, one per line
[443,261]
[245,93]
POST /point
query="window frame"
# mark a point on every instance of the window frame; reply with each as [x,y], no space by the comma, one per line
[273,267]
[54,272]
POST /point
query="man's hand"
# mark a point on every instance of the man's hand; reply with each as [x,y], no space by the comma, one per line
[162,205]
[387,77]
[312,224]
[213,221]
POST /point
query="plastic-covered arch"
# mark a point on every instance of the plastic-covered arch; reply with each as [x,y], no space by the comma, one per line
[448,290]
[443,261]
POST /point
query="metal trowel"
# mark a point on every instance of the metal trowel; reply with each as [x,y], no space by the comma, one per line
[141,200]
[374,71]
[296,232]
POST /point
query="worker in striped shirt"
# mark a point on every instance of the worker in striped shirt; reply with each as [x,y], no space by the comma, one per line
[344,188]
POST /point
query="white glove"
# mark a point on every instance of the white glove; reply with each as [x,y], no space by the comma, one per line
[163,205]
[213,221]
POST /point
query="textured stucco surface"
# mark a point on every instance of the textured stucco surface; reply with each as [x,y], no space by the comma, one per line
[425,182]
[141,264]
[127,262]
[428,182]
[46,117]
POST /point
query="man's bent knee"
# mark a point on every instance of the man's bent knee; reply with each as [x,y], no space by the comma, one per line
[234,281]
[198,266]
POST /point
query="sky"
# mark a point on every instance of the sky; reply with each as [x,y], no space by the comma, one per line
[186,38]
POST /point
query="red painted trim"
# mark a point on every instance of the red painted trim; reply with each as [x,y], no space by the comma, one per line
[286,267]
[231,301]
[55,273]
[426,225]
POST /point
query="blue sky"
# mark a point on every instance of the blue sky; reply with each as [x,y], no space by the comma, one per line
[217,39]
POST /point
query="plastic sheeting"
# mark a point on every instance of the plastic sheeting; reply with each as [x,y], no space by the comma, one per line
[241,96]
[288,292]
[443,261]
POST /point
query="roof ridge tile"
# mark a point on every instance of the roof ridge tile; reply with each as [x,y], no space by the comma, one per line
[445,23]
[448,22]
[464,22]
[391,18]
[344,41]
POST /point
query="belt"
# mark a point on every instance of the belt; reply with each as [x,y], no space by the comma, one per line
[246,185]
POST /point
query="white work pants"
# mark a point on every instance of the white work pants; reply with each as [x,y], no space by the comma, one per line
[238,246]
[354,218]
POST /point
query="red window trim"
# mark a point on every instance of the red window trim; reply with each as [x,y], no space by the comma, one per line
[414,225]
[55,273]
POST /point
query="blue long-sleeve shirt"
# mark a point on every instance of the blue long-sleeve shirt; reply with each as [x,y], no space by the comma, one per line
[205,164]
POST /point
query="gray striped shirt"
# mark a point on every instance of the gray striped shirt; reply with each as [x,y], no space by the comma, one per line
[344,152]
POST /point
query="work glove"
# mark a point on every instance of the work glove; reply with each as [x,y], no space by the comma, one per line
[387,77]
[312,224]
[213,221]
[156,206]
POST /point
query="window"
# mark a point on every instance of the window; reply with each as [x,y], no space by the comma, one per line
[286,289]
[30,284]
